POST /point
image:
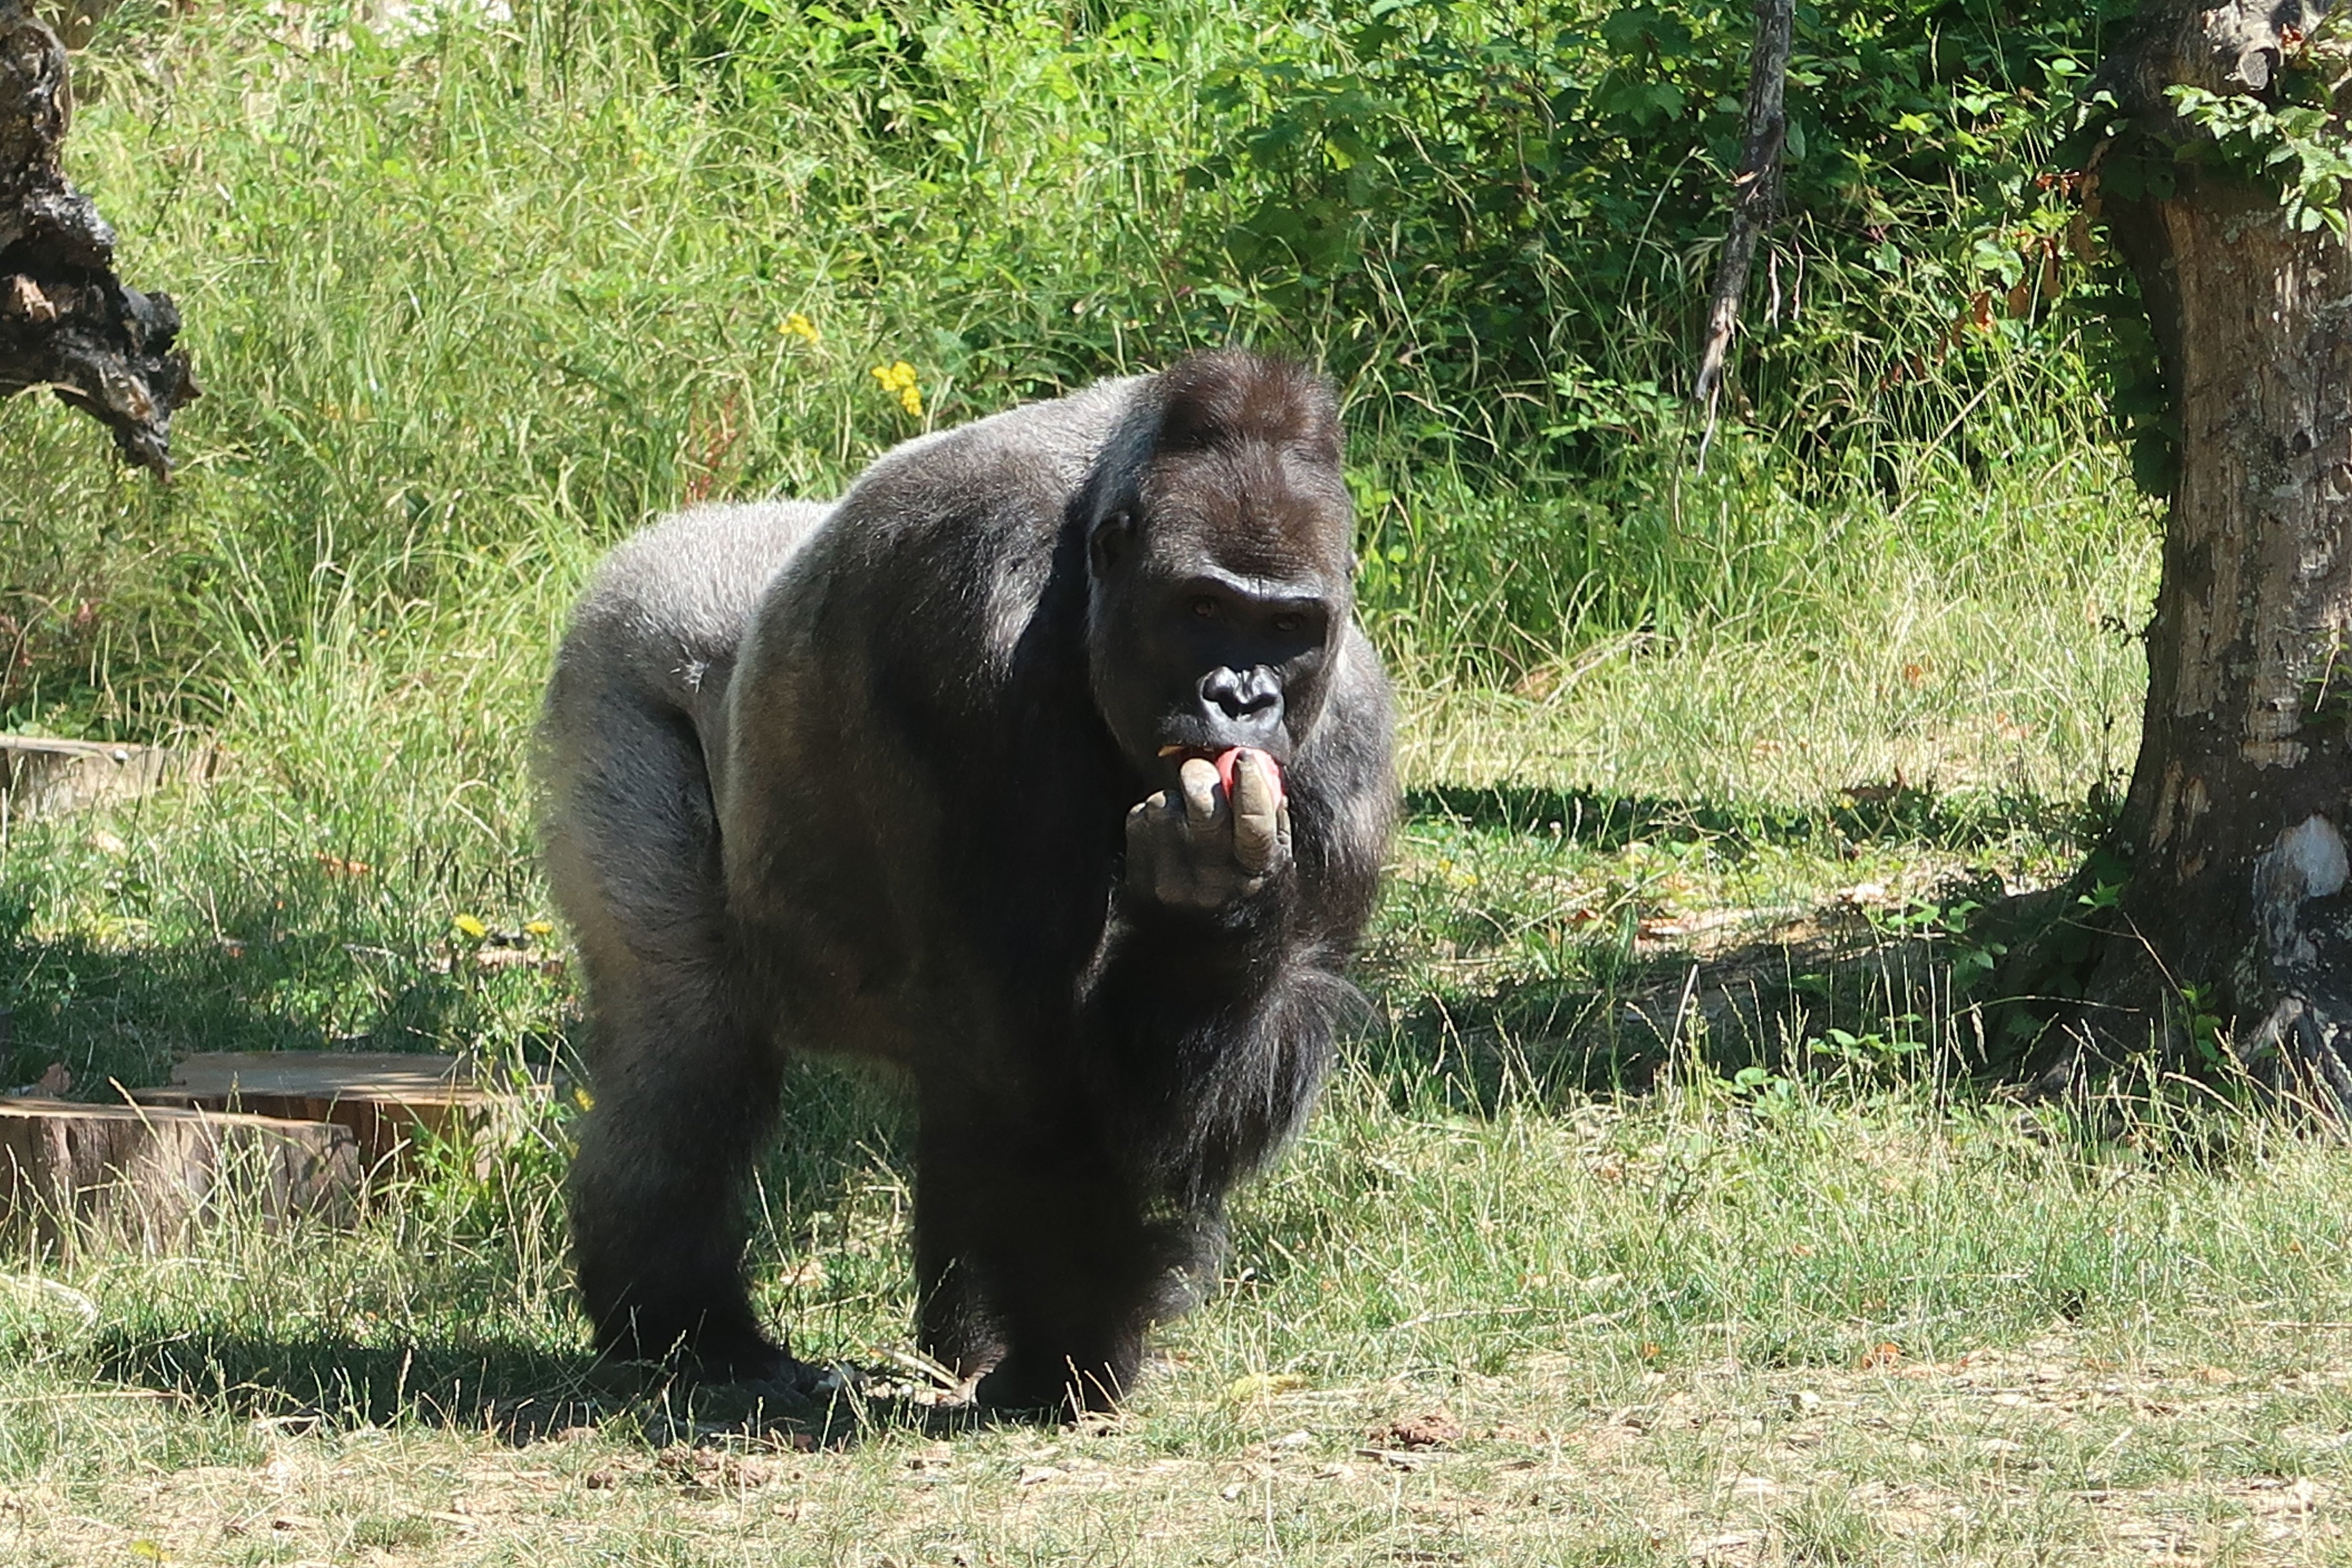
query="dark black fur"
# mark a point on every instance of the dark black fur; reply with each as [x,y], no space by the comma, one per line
[866,781]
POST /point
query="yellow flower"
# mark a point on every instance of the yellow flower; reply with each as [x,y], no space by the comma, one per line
[470,927]
[899,378]
[796,325]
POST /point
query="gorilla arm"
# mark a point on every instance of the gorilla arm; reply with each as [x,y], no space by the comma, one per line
[1213,1002]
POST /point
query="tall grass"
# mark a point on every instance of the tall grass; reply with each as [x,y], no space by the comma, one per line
[470,303]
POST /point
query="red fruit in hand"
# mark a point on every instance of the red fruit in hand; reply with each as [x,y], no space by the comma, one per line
[1227,759]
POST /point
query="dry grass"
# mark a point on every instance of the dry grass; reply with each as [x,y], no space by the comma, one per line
[2055,1452]
[1690,1326]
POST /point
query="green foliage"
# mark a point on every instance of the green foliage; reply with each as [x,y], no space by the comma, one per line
[2299,145]
[471,302]
[1498,191]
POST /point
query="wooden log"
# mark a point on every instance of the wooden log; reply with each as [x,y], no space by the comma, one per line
[386,1100]
[42,777]
[147,1173]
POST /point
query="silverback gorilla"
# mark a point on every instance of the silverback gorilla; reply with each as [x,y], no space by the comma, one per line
[1048,767]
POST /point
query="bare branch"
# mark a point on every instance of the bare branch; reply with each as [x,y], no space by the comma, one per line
[67,322]
[1755,195]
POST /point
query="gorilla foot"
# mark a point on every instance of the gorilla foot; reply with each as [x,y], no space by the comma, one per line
[707,1353]
[1063,1388]
[765,1364]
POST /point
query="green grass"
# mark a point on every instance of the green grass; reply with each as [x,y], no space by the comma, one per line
[468,307]
[1864,1327]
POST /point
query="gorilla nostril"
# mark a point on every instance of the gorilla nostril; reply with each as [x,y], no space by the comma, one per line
[1242,695]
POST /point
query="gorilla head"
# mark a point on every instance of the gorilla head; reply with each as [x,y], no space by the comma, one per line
[1220,563]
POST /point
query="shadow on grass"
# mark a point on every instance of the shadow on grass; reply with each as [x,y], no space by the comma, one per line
[1769,1003]
[1830,989]
[279,977]
[1888,814]
[519,1393]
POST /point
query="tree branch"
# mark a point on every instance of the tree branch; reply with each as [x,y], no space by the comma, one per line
[67,322]
[1755,195]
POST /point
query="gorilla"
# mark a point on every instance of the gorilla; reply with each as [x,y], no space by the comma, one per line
[1048,767]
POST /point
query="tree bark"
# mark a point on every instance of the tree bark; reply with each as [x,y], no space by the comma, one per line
[67,322]
[2233,926]
[1755,192]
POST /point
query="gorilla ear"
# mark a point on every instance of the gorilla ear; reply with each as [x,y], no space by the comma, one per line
[1108,541]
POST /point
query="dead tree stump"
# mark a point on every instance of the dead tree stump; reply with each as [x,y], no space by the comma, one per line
[387,1101]
[42,777]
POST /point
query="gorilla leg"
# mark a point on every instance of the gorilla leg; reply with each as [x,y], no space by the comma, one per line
[685,1106]
[953,1324]
[685,1080]
[1049,1251]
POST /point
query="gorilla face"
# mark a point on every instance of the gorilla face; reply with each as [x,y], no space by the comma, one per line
[1220,594]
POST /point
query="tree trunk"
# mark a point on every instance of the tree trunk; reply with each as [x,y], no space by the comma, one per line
[67,322]
[2232,925]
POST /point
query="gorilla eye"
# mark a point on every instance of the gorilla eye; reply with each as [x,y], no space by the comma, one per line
[1289,625]
[1205,606]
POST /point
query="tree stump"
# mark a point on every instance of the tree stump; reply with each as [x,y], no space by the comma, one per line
[40,777]
[67,322]
[148,1173]
[387,1101]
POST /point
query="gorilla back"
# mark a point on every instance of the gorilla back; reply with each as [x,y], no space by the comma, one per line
[1049,765]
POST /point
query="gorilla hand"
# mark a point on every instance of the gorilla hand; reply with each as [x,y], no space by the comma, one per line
[1202,844]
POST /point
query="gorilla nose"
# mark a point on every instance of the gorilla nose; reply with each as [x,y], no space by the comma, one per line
[1245,704]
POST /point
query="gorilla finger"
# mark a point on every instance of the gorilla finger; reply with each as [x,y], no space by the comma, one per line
[1203,801]
[1257,787]
[1257,822]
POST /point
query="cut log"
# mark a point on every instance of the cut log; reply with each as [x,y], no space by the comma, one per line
[386,1100]
[148,1173]
[42,777]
